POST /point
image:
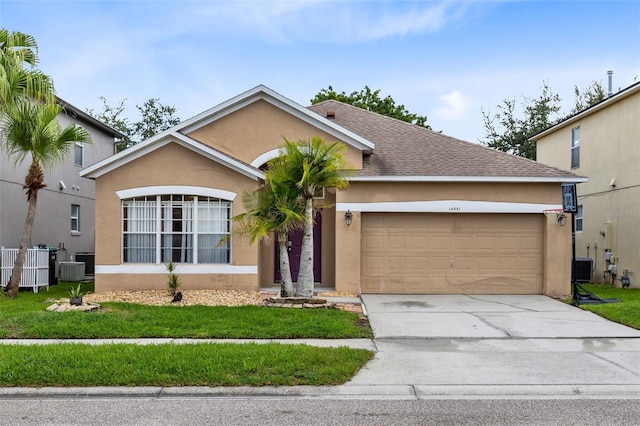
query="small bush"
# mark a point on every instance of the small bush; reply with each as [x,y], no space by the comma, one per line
[174,279]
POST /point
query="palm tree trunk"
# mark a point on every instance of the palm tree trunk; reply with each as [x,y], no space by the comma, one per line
[286,288]
[33,182]
[305,276]
[16,274]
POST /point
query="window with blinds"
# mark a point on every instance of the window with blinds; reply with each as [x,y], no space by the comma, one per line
[176,228]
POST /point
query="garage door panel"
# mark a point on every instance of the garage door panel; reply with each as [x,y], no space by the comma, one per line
[372,242]
[441,242]
[397,242]
[418,242]
[530,243]
[413,253]
[395,263]
[462,243]
[417,263]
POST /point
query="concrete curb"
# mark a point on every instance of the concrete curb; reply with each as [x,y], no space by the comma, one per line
[390,392]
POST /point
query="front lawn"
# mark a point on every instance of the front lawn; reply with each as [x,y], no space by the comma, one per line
[626,312]
[194,364]
[198,364]
[26,317]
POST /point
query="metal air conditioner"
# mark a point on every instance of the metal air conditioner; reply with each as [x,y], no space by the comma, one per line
[71,271]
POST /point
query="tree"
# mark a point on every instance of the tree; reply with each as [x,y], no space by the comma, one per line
[31,129]
[506,132]
[371,101]
[311,166]
[273,208]
[154,118]
[19,77]
[590,95]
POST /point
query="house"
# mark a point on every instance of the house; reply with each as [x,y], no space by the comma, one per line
[65,213]
[602,142]
[424,213]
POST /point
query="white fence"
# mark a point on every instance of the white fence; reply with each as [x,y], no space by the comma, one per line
[35,273]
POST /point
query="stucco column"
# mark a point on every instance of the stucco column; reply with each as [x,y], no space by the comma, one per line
[348,253]
[557,259]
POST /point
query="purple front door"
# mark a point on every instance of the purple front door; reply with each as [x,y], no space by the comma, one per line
[295,248]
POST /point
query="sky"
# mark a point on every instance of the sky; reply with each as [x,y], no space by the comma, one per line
[448,60]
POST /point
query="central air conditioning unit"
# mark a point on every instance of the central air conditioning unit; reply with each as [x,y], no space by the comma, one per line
[71,271]
[584,270]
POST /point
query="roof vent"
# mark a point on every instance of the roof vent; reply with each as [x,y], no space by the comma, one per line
[331,114]
[610,78]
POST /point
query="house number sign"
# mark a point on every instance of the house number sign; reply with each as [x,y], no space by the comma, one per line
[455,209]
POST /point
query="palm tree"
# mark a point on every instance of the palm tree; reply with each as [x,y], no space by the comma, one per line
[274,207]
[31,129]
[311,167]
[19,77]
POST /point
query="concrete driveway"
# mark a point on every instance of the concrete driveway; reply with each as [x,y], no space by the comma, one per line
[467,345]
[484,316]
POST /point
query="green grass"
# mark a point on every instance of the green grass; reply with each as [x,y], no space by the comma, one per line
[26,317]
[196,364]
[626,312]
[203,364]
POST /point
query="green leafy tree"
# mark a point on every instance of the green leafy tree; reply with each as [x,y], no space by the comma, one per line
[506,131]
[311,166]
[371,101]
[589,95]
[273,208]
[511,128]
[31,130]
[154,118]
[19,77]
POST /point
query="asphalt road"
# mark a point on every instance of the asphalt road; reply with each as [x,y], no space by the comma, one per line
[296,411]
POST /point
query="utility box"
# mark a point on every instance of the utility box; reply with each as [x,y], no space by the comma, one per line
[89,260]
[584,270]
[71,271]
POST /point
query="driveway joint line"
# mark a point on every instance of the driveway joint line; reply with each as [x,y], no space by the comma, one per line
[502,330]
[519,308]
[613,363]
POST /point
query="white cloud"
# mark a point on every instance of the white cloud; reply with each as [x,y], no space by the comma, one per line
[456,106]
[326,20]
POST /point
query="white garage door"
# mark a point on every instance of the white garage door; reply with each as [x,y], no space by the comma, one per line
[426,253]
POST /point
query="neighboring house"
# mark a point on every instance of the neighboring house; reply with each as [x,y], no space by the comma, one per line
[427,213]
[602,142]
[65,212]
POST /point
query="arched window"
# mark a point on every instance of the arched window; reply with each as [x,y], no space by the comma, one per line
[176,228]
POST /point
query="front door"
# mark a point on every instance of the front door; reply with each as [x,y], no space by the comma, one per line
[294,244]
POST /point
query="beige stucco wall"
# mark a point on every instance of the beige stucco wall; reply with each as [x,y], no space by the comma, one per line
[557,239]
[259,128]
[539,193]
[168,165]
[609,141]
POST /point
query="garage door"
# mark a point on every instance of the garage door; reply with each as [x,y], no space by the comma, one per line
[452,253]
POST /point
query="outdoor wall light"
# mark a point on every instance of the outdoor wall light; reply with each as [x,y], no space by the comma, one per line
[562,219]
[348,217]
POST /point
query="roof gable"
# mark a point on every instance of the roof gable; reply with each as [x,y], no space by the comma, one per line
[153,144]
[179,133]
[262,92]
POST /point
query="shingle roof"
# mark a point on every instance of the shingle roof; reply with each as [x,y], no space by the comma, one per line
[404,149]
